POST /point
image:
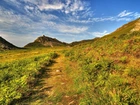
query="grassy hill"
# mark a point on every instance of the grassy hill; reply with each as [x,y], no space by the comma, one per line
[109,68]
[4,44]
[102,71]
[44,41]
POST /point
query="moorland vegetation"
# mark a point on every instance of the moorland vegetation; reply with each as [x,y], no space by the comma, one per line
[102,71]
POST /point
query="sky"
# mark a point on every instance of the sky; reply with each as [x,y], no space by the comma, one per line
[22,21]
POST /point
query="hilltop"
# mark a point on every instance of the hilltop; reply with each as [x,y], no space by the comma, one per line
[45,41]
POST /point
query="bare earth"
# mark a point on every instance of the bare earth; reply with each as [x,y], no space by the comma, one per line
[52,86]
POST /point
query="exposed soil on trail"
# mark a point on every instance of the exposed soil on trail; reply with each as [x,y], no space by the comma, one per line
[52,86]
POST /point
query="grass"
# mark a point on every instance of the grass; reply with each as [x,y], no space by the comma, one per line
[108,70]
[17,75]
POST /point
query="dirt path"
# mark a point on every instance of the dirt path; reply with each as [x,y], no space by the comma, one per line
[55,83]
[51,86]
[50,82]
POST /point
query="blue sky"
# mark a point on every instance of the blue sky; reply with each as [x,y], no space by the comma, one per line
[22,21]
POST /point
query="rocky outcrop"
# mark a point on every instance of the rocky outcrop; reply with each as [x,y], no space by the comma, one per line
[45,41]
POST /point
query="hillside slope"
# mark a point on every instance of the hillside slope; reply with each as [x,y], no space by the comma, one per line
[44,41]
[128,28]
[4,44]
[109,68]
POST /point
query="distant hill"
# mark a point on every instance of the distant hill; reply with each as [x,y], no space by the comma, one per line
[126,38]
[83,41]
[130,27]
[5,45]
[45,41]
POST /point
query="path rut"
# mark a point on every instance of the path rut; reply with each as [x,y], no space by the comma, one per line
[52,86]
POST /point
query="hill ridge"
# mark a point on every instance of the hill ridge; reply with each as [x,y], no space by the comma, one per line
[4,44]
[45,41]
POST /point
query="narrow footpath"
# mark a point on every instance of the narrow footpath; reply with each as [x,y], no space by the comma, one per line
[52,86]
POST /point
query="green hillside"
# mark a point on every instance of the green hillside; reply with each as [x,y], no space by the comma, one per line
[109,68]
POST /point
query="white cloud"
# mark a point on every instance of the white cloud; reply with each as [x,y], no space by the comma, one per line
[111,19]
[48,17]
[123,16]
[36,2]
[103,19]
[124,13]
[45,4]
[84,21]
[99,34]
[72,7]
[123,19]
[55,6]
[27,7]
[18,25]
[136,15]
[13,2]
[9,17]
[72,29]
[77,8]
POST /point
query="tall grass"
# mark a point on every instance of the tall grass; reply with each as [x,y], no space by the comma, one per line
[108,70]
[16,76]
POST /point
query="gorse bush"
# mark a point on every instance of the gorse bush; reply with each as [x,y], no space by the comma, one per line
[15,76]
